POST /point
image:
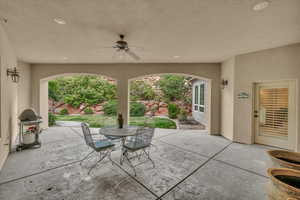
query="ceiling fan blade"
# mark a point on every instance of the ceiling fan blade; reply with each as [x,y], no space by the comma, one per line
[106,47]
[137,48]
[132,54]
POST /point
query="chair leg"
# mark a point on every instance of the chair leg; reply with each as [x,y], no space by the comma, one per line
[109,157]
[129,162]
[86,157]
[148,155]
[101,158]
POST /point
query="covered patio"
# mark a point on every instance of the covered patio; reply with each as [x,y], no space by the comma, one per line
[190,164]
[242,61]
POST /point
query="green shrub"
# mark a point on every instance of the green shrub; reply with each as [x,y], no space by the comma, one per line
[88,110]
[153,109]
[137,109]
[155,122]
[51,119]
[164,123]
[182,115]
[110,108]
[173,111]
[64,111]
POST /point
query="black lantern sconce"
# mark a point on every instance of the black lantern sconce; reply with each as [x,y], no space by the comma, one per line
[224,83]
[14,74]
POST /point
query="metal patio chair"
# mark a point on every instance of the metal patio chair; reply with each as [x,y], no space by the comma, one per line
[103,146]
[138,145]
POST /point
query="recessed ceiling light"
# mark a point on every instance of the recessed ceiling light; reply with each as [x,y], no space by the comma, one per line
[176,56]
[261,5]
[65,58]
[60,21]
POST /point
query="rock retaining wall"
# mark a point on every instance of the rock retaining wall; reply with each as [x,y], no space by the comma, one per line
[154,108]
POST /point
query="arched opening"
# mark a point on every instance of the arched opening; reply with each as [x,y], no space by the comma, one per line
[170,100]
[69,99]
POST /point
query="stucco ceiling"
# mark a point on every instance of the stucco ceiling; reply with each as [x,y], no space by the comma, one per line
[190,30]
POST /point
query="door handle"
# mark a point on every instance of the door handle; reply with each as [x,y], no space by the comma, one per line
[256,114]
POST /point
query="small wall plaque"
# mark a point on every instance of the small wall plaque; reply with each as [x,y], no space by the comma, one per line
[243,95]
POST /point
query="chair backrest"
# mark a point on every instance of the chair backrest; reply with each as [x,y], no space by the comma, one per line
[87,135]
[145,135]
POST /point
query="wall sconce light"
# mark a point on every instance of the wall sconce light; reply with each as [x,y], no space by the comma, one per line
[224,83]
[14,74]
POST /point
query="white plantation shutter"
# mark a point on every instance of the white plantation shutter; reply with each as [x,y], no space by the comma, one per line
[274,111]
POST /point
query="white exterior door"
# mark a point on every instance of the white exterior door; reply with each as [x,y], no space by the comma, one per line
[199,101]
[275,114]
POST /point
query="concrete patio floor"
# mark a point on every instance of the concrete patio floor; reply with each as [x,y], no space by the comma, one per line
[190,165]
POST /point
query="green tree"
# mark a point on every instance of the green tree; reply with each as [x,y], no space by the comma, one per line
[86,89]
[53,90]
[139,90]
[174,87]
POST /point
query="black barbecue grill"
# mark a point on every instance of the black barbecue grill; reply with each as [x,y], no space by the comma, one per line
[29,130]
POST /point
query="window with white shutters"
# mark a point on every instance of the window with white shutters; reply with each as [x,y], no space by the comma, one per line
[274,111]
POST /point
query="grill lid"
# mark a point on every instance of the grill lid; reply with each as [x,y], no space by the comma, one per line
[29,115]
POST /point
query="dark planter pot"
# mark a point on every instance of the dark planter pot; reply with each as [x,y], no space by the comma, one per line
[285,159]
[284,184]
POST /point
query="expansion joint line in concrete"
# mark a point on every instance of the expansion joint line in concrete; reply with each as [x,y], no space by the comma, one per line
[193,172]
[134,178]
[40,172]
[234,166]
[226,163]
[183,149]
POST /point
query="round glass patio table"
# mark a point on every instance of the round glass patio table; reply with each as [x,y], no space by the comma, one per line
[119,132]
[122,133]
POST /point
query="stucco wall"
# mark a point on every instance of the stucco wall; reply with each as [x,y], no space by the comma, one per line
[8,97]
[227,99]
[124,72]
[269,65]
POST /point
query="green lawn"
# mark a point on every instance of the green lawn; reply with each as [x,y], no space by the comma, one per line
[98,121]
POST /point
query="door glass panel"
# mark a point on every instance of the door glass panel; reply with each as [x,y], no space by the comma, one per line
[202,94]
[273,112]
[196,94]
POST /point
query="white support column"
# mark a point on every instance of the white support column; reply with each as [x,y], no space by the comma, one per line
[43,104]
[123,103]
